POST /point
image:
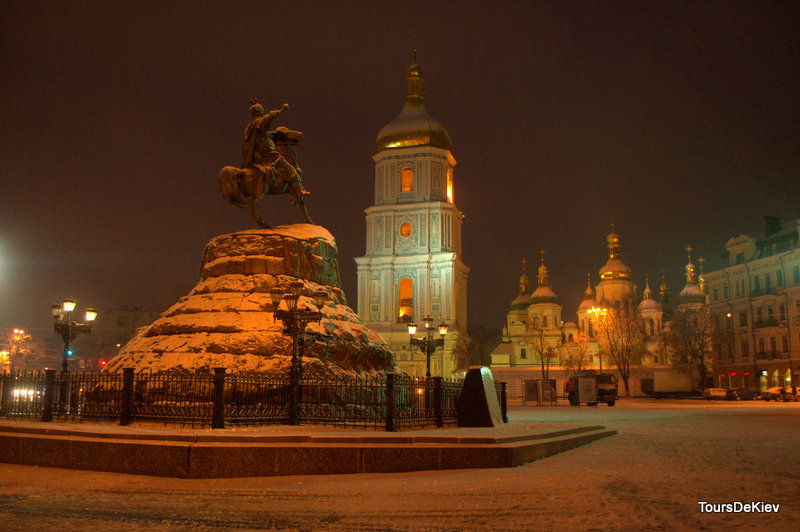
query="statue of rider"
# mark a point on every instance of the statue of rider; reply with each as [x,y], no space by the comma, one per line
[259,150]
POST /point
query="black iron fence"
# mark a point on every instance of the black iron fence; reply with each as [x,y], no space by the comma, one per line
[390,401]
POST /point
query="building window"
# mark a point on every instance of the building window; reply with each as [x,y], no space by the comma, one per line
[544,322]
[450,185]
[745,349]
[743,318]
[761,346]
[739,258]
[779,278]
[523,353]
[716,293]
[738,290]
[782,309]
[405,229]
[725,290]
[796,274]
[405,296]
[785,342]
[767,282]
[655,359]
[570,337]
[773,347]
[406,180]
[770,315]
[651,325]
[759,316]
[756,284]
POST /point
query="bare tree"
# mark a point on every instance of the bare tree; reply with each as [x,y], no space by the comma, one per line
[622,336]
[576,353]
[483,340]
[690,338]
[545,343]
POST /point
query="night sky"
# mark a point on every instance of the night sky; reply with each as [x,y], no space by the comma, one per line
[680,119]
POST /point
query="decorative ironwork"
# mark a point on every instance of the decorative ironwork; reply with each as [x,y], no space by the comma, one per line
[184,398]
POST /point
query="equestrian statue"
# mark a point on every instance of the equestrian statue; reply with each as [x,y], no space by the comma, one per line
[269,165]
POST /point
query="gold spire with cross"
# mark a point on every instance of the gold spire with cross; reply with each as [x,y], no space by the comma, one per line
[589,293]
[663,290]
[542,277]
[691,276]
[701,280]
[524,282]
[613,242]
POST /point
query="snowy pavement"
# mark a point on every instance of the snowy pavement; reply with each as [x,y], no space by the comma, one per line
[667,457]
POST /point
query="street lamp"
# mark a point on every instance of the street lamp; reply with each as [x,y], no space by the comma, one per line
[294,321]
[68,329]
[600,313]
[427,344]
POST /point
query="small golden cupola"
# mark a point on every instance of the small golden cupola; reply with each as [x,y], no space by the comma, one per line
[588,296]
[692,293]
[614,267]
[543,292]
[663,290]
[523,299]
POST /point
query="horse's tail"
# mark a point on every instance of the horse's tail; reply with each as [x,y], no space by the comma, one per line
[229,178]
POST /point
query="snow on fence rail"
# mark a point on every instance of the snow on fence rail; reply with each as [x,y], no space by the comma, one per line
[390,401]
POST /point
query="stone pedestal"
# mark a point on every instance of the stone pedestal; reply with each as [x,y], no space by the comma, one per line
[227,319]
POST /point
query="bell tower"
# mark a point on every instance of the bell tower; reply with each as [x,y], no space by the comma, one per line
[413,266]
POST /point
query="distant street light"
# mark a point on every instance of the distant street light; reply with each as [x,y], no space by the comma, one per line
[294,324]
[68,329]
[427,344]
[600,314]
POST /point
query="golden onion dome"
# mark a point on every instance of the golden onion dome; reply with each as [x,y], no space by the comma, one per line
[413,126]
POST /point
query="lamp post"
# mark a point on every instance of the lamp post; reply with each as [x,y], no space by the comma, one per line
[427,344]
[294,321]
[68,329]
[599,313]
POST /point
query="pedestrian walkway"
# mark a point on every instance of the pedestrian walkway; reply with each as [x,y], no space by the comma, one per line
[281,450]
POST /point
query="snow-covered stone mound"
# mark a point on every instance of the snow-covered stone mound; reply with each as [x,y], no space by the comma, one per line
[227,319]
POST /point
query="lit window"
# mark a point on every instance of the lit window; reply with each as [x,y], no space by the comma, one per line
[405,229]
[405,296]
[450,185]
[406,180]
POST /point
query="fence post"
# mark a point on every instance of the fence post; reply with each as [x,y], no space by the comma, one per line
[437,400]
[49,386]
[127,396]
[504,401]
[391,414]
[5,397]
[218,417]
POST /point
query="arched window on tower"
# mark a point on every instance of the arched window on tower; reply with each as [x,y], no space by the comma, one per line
[406,180]
[652,326]
[405,298]
[450,185]
[523,353]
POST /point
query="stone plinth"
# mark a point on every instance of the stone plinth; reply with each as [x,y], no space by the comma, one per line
[227,319]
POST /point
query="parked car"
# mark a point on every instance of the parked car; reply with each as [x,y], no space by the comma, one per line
[715,393]
[777,394]
[740,394]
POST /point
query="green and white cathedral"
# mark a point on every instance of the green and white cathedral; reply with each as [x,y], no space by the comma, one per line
[413,266]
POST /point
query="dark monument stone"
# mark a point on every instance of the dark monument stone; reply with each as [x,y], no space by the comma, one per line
[477,403]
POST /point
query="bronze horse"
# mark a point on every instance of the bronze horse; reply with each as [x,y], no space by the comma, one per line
[249,184]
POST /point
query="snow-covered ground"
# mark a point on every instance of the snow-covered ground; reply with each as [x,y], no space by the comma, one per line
[668,456]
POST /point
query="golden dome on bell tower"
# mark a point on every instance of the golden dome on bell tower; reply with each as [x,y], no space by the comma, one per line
[413,126]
